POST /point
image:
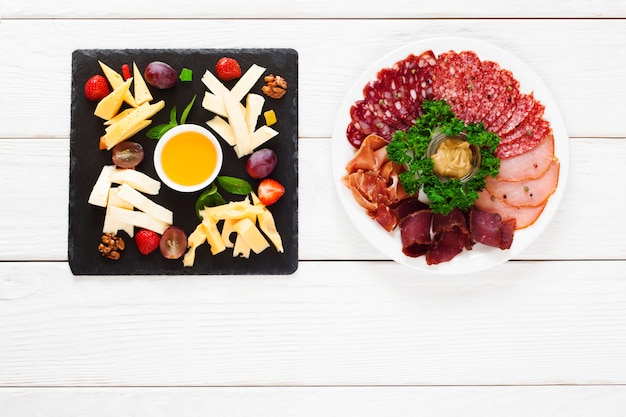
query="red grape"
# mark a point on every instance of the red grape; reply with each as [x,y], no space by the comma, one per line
[127,154]
[173,242]
[160,75]
[261,163]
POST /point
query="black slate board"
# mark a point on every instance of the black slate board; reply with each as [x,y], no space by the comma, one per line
[86,162]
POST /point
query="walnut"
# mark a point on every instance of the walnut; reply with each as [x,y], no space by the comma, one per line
[111,246]
[276,86]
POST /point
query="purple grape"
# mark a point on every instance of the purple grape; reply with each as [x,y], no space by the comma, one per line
[261,163]
[127,154]
[173,243]
[160,75]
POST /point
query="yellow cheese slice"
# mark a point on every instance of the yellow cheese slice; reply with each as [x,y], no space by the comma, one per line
[131,124]
[143,203]
[115,79]
[142,92]
[137,219]
[111,104]
[247,81]
[268,225]
[195,239]
[227,230]
[119,116]
[241,248]
[213,236]
[253,237]
[232,210]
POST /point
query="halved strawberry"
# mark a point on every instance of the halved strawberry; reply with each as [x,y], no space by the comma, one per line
[227,69]
[147,241]
[125,72]
[96,88]
[270,191]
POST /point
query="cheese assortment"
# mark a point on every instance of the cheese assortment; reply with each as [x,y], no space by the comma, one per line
[240,236]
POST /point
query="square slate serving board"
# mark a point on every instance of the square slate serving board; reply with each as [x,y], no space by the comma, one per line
[87,160]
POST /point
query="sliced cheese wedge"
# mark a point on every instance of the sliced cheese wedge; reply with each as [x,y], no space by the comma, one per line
[142,92]
[213,236]
[268,225]
[138,219]
[241,248]
[129,125]
[143,203]
[247,81]
[99,195]
[223,129]
[253,237]
[254,107]
[195,239]
[136,179]
[237,120]
[112,225]
[115,79]
[109,106]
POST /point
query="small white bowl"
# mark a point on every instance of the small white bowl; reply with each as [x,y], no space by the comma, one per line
[190,159]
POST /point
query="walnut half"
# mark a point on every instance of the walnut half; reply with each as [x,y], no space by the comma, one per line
[276,86]
[111,246]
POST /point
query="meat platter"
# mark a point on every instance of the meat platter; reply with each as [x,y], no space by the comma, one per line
[483,86]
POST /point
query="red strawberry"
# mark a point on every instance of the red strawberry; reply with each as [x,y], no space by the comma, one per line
[270,191]
[96,88]
[125,72]
[227,69]
[147,241]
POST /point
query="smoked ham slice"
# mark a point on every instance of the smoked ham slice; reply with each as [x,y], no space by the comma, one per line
[526,192]
[529,165]
[524,216]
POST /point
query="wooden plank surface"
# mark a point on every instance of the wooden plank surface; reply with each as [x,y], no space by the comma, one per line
[331,324]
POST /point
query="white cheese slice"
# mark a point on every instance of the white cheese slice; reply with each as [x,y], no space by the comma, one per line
[214,104]
[254,107]
[115,79]
[237,120]
[223,129]
[261,135]
[142,92]
[112,225]
[99,195]
[136,179]
[214,84]
[143,203]
[247,81]
[137,219]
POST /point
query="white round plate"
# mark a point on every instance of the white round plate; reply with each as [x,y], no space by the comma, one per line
[480,257]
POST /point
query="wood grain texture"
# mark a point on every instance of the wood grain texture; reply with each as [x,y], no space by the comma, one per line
[331,323]
[320,9]
[316,401]
[570,56]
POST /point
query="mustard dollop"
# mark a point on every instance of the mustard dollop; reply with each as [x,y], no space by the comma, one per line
[453,158]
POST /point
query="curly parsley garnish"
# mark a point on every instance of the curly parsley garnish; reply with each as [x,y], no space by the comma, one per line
[409,148]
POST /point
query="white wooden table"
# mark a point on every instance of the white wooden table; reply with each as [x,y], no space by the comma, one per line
[351,332]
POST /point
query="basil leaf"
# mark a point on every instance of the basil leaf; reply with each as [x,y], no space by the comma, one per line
[183,117]
[159,130]
[209,198]
[234,185]
[173,116]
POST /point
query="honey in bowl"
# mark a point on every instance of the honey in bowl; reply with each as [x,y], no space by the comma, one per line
[187,158]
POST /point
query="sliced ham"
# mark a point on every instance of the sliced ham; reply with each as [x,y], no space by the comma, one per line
[524,216]
[529,165]
[526,192]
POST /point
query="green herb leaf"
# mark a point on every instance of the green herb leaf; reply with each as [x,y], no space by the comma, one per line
[183,117]
[173,116]
[209,198]
[234,185]
[409,148]
[159,130]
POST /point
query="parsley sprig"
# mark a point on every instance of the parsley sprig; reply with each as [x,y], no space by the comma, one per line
[409,148]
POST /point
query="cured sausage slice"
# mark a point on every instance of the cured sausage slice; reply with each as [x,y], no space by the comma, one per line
[531,138]
[489,92]
[506,92]
[523,106]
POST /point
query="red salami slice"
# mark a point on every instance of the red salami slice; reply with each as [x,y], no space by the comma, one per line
[448,83]
[489,92]
[473,76]
[523,107]
[506,92]
[528,124]
[525,143]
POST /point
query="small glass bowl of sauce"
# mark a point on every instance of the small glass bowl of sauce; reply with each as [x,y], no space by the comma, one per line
[188,158]
[454,157]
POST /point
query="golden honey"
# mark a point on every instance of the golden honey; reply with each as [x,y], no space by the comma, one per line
[189,158]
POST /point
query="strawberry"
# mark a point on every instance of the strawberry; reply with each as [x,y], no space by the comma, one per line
[125,72]
[227,69]
[270,191]
[96,88]
[147,241]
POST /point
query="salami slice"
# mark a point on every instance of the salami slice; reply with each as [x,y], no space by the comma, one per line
[488,93]
[506,93]
[473,78]
[522,108]
[448,82]
[532,119]
[531,138]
